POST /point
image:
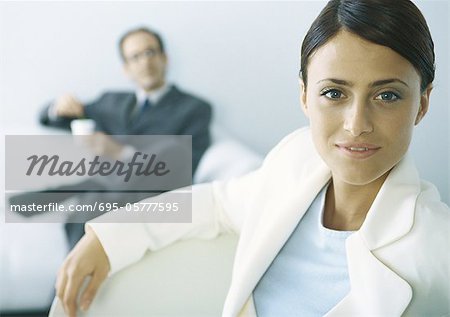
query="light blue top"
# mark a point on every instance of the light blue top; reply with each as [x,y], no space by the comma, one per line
[309,275]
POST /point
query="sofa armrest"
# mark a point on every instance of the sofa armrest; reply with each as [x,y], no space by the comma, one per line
[189,278]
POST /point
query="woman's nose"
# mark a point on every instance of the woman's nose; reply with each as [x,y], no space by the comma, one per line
[358,119]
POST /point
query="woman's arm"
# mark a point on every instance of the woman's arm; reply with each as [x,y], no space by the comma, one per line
[216,207]
[108,247]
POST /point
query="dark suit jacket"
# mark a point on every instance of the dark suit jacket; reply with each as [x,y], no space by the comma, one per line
[176,113]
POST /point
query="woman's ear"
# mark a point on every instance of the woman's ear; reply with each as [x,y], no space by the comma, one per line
[303,98]
[424,104]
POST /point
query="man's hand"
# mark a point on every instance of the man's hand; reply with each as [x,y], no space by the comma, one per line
[88,258]
[104,145]
[68,106]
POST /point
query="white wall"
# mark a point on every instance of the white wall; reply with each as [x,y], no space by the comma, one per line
[241,56]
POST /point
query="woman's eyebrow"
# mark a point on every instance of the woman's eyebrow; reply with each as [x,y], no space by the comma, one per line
[388,81]
[374,84]
[336,81]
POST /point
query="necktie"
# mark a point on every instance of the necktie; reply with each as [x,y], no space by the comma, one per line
[145,106]
[139,111]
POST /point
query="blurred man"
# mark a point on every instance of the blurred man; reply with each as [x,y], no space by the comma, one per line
[154,108]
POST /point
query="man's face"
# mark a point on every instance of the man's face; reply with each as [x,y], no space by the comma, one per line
[144,63]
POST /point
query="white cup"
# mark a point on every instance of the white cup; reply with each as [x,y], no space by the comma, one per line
[82,126]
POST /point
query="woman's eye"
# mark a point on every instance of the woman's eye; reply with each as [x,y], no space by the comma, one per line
[387,96]
[332,94]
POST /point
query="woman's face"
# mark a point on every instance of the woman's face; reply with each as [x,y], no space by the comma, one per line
[363,101]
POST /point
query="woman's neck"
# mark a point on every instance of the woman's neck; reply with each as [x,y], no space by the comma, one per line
[346,205]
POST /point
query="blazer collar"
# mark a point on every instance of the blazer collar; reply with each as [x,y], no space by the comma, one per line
[391,216]
[375,290]
[292,196]
[381,292]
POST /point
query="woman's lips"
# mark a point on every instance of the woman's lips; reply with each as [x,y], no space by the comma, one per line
[358,150]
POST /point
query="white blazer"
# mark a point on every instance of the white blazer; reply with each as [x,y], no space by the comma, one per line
[398,261]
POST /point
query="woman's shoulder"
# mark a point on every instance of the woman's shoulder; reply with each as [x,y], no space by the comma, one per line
[431,226]
[295,144]
[295,155]
[421,257]
[430,208]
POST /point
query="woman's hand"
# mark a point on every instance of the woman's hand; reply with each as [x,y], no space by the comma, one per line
[88,258]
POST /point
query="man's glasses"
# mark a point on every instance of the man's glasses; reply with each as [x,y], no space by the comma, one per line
[146,54]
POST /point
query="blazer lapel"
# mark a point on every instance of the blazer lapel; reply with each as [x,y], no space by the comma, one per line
[130,109]
[376,290]
[280,216]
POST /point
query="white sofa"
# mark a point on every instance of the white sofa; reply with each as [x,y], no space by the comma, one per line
[189,278]
[198,271]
